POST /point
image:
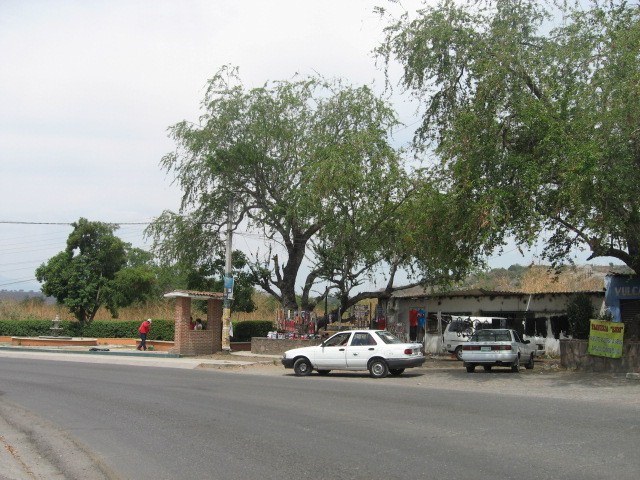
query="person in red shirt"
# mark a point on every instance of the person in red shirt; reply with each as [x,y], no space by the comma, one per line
[144,330]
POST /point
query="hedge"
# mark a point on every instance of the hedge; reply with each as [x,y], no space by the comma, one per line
[160,329]
[244,331]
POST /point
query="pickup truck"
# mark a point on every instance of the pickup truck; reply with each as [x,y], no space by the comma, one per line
[498,347]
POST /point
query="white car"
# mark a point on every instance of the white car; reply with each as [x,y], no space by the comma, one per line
[378,351]
[498,347]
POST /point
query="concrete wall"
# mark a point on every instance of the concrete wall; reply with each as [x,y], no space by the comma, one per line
[272,346]
[573,355]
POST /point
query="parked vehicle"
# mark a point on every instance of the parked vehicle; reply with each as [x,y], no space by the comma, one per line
[377,351]
[459,330]
[498,347]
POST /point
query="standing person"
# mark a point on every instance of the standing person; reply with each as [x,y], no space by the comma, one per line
[144,330]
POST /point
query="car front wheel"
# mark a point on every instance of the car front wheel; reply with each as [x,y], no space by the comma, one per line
[378,368]
[302,367]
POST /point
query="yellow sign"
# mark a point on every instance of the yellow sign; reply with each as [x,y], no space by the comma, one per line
[605,339]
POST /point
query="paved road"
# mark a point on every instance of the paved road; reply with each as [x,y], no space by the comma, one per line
[156,423]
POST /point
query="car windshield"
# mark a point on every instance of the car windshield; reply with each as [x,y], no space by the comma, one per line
[491,336]
[387,337]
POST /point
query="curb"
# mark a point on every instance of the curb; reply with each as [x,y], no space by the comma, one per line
[89,352]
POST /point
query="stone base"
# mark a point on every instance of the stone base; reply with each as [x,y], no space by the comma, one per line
[574,355]
[272,346]
[53,342]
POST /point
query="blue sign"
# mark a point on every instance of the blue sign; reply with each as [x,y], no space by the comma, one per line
[228,288]
[620,287]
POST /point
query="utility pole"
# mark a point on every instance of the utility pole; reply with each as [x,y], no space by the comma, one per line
[228,284]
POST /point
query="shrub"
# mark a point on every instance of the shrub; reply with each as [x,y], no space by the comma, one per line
[243,331]
[579,314]
[160,329]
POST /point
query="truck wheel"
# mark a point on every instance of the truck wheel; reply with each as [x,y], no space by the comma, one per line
[470,367]
[458,353]
[378,368]
[529,364]
[302,367]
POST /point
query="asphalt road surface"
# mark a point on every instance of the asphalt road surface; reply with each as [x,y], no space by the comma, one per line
[156,423]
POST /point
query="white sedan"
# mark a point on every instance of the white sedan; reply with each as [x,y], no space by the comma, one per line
[498,347]
[378,351]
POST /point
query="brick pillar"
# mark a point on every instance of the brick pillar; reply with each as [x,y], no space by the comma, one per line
[182,345]
[214,323]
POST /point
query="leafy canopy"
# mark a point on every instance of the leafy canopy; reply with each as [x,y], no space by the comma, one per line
[532,110]
[94,271]
[302,162]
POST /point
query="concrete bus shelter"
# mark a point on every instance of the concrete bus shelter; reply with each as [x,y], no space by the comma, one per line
[190,342]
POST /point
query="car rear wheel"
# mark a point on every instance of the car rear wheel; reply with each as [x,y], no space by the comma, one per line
[515,366]
[302,367]
[378,368]
[487,368]
[470,367]
[396,371]
[458,353]
[530,363]
[323,372]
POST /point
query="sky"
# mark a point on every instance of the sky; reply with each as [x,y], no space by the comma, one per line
[89,88]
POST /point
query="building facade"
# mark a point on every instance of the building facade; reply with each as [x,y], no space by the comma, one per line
[536,315]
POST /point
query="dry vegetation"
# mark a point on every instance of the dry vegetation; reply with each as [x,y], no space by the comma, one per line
[34,309]
[541,278]
[523,279]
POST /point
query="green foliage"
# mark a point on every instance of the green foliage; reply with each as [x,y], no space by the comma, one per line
[160,329]
[535,128]
[243,331]
[294,158]
[92,271]
[579,312]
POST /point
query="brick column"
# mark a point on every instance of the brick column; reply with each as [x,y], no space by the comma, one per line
[181,336]
[214,321]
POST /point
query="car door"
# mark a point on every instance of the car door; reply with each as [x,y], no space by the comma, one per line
[362,347]
[332,354]
[522,349]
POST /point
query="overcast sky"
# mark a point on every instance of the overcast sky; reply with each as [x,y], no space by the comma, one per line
[88,89]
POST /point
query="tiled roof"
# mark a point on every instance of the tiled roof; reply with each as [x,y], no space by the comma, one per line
[195,294]
[420,292]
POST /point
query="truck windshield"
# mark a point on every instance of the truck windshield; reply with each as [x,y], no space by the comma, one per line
[491,336]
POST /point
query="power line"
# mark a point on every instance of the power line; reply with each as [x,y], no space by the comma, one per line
[13,222]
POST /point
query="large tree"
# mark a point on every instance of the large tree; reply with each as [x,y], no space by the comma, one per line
[93,271]
[532,110]
[294,158]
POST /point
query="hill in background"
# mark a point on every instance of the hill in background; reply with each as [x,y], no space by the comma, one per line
[543,278]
